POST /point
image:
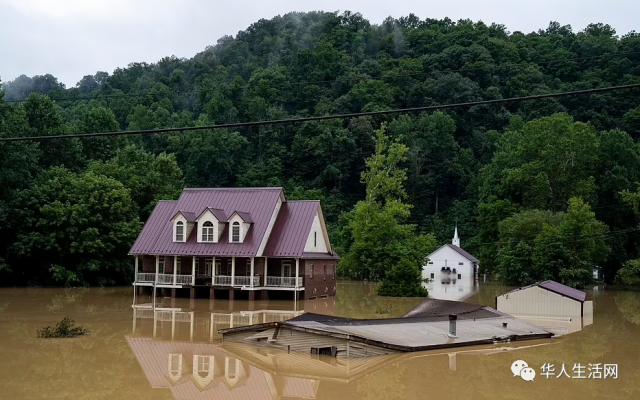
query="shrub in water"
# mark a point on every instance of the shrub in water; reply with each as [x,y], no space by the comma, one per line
[63,329]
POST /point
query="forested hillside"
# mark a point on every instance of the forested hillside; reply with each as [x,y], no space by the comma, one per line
[535,187]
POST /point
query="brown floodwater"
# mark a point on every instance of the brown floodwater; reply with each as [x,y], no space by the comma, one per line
[173,351]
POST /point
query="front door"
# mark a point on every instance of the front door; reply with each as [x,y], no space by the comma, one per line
[286,269]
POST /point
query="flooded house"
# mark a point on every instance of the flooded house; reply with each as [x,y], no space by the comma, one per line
[432,324]
[246,243]
[451,272]
[551,305]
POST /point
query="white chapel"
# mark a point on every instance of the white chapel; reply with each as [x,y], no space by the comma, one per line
[451,271]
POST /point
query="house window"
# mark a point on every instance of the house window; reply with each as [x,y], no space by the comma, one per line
[430,262]
[248,267]
[179,231]
[460,263]
[459,276]
[207,232]
[334,272]
[231,372]
[311,271]
[235,232]
[161,265]
[433,275]
[179,265]
[203,366]
[324,272]
[174,364]
[315,239]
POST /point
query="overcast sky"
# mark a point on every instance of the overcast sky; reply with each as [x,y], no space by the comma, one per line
[73,38]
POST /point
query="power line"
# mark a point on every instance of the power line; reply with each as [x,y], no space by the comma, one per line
[324,118]
[341,79]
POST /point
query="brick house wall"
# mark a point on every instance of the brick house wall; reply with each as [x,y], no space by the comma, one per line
[322,280]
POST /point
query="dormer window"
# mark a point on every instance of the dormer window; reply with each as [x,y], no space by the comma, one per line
[235,232]
[207,232]
[179,231]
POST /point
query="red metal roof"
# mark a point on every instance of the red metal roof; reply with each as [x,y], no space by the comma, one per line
[259,202]
[219,214]
[163,211]
[291,230]
[256,205]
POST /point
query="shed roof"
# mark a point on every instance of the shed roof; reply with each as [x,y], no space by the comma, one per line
[423,328]
[558,288]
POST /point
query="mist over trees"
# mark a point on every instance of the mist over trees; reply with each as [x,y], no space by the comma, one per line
[493,169]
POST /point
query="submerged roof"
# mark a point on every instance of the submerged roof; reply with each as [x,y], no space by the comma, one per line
[558,288]
[423,328]
[256,206]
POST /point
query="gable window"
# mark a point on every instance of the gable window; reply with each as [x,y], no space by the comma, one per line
[460,263]
[235,232]
[179,231]
[315,239]
[203,366]
[207,232]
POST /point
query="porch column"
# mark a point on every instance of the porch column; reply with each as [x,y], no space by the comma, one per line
[297,274]
[213,272]
[157,270]
[191,330]
[175,270]
[211,329]
[252,262]
[135,279]
[233,271]
[265,271]
[173,324]
[155,322]
[193,272]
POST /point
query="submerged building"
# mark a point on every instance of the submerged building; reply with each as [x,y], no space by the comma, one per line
[247,241]
[551,305]
[451,272]
[433,324]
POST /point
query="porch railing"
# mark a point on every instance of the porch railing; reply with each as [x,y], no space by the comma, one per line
[283,281]
[167,279]
[146,277]
[238,281]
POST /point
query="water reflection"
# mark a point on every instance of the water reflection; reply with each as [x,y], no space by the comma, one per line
[178,348]
[448,287]
[104,365]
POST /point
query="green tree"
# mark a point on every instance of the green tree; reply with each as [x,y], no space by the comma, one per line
[381,247]
[75,229]
[539,245]
[149,178]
